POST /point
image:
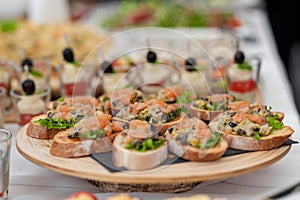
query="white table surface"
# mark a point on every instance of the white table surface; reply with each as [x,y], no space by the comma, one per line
[29,181]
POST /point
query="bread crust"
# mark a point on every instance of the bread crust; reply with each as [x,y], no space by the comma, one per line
[134,160]
[196,154]
[274,140]
[206,115]
[40,132]
[62,146]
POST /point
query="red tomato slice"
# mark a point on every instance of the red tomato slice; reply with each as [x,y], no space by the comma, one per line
[242,86]
[82,195]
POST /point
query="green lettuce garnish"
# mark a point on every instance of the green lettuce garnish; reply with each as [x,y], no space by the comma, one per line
[275,123]
[144,145]
[54,123]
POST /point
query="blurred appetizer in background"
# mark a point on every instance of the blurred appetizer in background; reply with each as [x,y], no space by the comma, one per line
[242,79]
[47,38]
[28,103]
[170,14]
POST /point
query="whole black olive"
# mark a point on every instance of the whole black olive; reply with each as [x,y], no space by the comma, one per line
[151,57]
[107,67]
[28,86]
[68,54]
[190,64]
[28,62]
[239,57]
[232,124]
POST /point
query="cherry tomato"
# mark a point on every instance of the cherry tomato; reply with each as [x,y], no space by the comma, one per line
[242,86]
[82,195]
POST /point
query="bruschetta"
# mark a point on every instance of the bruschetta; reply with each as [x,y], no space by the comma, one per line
[117,100]
[254,128]
[65,115]
[193,140]
[210,106]
[154,111]
[139,147]
[92,135]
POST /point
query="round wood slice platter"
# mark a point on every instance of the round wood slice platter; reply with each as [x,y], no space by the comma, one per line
[175,177]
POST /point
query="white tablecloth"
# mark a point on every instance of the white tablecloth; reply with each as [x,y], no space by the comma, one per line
[29,181]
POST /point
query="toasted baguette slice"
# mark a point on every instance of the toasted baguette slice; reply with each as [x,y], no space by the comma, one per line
[274,140]
[196,154]
[40,132]
[134,160]
[65,147]
[206,115]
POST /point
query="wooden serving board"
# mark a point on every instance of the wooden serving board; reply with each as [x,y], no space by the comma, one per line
[37,151]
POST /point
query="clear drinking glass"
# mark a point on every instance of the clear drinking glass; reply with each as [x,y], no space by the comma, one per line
[5,142]
[75,80]
[40,74]
[2,105]
[243,83]
[28,106]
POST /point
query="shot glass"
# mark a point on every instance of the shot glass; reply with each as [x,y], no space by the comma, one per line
[2,105]
[5,143]
[39,73]
[28,106]
[7,72]
[75,80]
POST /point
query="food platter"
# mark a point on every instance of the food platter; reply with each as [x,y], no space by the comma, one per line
[188,173]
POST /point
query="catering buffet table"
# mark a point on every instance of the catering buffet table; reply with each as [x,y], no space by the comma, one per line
[29,181]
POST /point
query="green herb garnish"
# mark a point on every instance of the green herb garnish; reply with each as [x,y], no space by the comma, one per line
[275,123]
[8,25]
[144,145]
[212,141]
[54,123]
[173,114]
[245,66]
[35,73]
[60,99]
[93,134]
[185,97]
[76,63]
[257,135]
